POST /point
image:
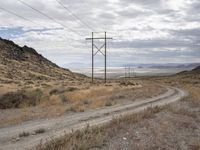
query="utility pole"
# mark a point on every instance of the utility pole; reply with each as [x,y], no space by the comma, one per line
[105,58]
[133,74]
[125,72]
[128,71]
[92,57]
[99,50]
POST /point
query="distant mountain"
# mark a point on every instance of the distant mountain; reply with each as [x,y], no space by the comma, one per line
[196,70]
[184,66]
[166,66]
[24,63]
[77,65]
[193,71]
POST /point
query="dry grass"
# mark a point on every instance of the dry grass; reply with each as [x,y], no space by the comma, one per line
[56,98]
[98,137]
[95,137]
[182,117]
[20,99]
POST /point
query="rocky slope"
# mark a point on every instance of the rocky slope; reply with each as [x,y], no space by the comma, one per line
[24,63]
[196,70]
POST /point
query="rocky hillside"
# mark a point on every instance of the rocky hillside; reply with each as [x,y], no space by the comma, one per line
[24,63]
[196,70]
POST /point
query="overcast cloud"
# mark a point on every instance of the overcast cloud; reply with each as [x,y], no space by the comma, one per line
[144,31]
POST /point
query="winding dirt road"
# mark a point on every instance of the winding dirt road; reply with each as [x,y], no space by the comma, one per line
[56,127]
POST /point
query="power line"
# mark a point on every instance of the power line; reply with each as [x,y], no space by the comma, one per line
[15,14]
[10,12]
[52,19]
[73,14]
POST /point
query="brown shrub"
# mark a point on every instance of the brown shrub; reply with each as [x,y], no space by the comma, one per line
[20,99]
[24,134]
[62,90]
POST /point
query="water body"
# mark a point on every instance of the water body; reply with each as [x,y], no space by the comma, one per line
[117,72]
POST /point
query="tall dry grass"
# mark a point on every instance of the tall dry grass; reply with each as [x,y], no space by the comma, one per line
[97,136]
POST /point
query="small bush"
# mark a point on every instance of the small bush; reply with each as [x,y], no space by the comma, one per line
[40,131]
[54,91]
[34,95]
[62,90]
[81,110]
[72,108]
[64,99]
[20,99]
[86,102]
[24,134]
[71,89]
[108,104]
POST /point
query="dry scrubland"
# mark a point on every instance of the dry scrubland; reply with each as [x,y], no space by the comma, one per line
[51,99]
[175,126]
[32,87]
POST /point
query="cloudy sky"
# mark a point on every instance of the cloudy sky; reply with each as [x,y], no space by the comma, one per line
[143,31]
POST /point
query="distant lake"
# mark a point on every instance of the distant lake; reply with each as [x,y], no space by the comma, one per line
[117,72]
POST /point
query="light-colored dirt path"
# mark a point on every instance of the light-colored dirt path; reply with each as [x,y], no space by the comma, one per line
[56,127]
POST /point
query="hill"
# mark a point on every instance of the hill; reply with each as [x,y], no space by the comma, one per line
[193,71]
[196,70]
[24,63]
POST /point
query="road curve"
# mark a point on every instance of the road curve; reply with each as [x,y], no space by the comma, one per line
[57,127]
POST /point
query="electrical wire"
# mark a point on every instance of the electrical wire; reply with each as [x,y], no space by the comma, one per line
[10,12]
[74,15]
[49,17]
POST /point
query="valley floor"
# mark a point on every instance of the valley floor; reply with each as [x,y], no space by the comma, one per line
[30,134]
[58,99]
[174,126]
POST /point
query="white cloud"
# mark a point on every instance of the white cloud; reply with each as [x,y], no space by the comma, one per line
[138,27]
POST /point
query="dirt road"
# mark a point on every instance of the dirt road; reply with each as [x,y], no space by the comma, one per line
[55,127]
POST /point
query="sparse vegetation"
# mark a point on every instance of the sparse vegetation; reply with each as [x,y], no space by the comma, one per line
[72,109]
[76,101]
[99,137]
[24,134]
[57,91]
[20,99]
[95,137]
[108,103]
[64,98]
[86,102]
[75,108]
[154,122]
[40,131]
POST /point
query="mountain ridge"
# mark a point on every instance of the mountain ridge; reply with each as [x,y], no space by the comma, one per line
[25,63]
